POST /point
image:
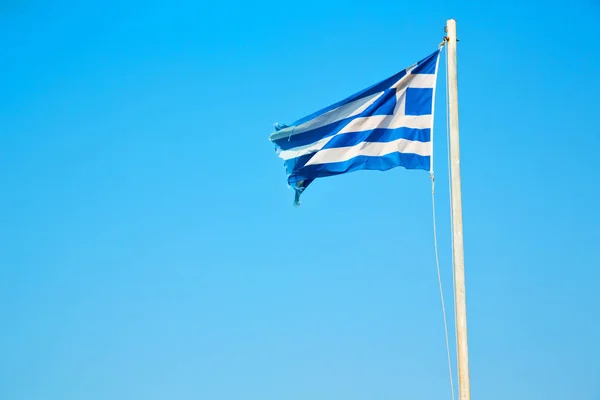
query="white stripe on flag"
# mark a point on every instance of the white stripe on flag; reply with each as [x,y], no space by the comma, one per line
[388,122]
[425,81]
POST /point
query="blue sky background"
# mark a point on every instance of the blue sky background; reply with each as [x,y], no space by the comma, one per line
[150,249]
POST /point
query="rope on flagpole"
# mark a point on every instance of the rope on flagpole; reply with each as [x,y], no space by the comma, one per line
[439,275]
[437,258]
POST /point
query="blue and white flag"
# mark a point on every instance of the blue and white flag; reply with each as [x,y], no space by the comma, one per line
[381,127]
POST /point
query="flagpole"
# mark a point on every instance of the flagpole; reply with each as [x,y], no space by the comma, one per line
[457,230]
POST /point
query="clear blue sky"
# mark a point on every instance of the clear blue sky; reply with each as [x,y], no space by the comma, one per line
[149,248]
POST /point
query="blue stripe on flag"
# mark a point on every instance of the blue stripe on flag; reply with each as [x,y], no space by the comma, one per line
[380,135]
[294,164]
[380,163]
[384,105]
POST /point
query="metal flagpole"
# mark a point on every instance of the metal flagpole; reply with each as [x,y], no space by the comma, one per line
[457,233]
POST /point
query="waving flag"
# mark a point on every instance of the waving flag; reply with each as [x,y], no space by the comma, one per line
[381,127]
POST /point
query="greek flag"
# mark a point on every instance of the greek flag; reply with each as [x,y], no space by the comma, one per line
[381,127]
